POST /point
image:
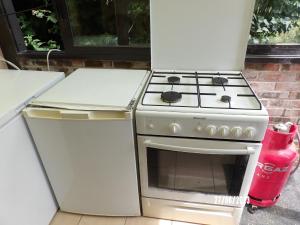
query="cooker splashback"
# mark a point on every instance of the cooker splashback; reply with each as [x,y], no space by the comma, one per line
[204,35]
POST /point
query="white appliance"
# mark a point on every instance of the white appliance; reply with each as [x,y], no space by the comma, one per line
[83,130]
[25,195]
[199,124]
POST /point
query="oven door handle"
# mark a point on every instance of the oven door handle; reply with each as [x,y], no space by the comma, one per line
[247,151]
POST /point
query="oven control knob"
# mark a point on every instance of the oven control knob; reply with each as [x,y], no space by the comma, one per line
[151,126]
[250,132]
[224,131]
[211,130]
[175,128]
[199,128]
[237,131]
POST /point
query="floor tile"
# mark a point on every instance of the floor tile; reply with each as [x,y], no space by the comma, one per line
[146,221]
[99,220]
[62,218]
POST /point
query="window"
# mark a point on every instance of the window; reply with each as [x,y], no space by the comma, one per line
[120,29]
[276,21]
[107,29]
[110,29]
[275,30]
[109,23]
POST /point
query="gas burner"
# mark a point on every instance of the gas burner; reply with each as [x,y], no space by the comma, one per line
[225,98]
[174,80]
[171,96]
[219,80]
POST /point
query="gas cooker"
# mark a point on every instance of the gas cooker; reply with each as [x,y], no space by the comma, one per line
[214,105]
[199,124]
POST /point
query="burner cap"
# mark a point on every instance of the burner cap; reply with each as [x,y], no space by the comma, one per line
[171,96]
[219,80]
[174,80]
[225,98]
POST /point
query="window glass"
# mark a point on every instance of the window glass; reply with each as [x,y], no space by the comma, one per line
[40,25]
[180,171]
[109,22]
[103,23]
[276,21]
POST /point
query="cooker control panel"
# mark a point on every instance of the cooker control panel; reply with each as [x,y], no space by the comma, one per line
[215,127]
[226,131]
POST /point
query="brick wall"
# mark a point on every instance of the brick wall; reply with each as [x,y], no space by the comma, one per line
[277,85]
[69,65]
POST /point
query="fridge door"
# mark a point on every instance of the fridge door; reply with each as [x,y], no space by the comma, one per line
[26,197]
[89,158]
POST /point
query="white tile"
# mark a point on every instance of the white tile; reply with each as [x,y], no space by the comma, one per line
[99,220]
[146,221]
[62,218]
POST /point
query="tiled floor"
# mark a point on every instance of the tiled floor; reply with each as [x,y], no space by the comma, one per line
[286,212]
[63,218]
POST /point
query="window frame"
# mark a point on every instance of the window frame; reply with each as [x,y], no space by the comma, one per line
[279,53]
[105,53]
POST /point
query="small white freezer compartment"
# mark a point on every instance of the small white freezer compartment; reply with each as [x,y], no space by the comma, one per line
[83,130]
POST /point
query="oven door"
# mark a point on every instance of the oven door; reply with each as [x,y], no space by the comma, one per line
[197,170]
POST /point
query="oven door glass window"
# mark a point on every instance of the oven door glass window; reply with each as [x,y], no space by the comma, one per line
[181,171]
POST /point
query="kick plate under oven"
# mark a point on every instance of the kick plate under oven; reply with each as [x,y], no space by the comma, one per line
[196,170]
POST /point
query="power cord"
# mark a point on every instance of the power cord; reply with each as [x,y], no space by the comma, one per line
[10,63]
[48,55]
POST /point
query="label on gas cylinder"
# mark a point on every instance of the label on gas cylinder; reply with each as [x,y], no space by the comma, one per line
[270,168]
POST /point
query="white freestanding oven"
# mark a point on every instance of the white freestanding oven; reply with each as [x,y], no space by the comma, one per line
[199,124]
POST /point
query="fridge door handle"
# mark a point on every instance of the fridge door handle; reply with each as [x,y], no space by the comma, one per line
[247,151]
[75,115]
[59,114]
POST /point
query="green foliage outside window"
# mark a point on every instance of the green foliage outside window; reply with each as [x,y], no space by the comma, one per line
[139,11]
[274,21]
[39,26]
[109,22]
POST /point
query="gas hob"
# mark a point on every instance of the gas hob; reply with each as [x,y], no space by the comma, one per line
[200,90]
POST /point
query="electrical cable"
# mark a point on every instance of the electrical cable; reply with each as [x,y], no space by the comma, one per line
[26,10]
[10,63]
[22,11]
[48,55]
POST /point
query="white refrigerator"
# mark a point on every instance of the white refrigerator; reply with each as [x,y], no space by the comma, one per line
[84,132]
[25,195]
